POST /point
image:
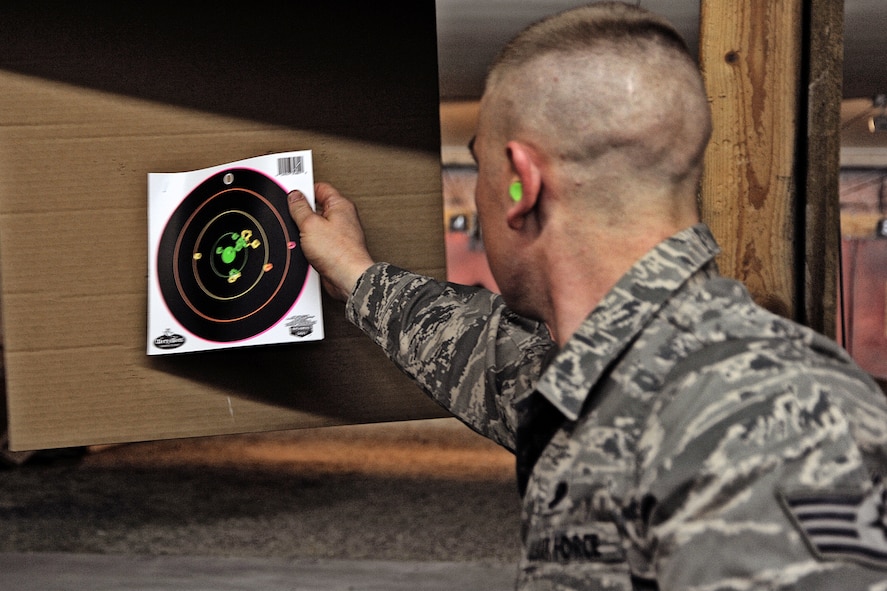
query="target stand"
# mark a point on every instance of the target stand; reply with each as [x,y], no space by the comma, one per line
[225,265]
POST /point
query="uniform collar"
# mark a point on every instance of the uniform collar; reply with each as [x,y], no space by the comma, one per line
[621,315]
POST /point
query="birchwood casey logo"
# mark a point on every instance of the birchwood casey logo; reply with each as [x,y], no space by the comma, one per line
[169,340]
[301,325]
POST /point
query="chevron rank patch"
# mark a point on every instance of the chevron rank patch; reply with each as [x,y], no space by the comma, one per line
[842,526]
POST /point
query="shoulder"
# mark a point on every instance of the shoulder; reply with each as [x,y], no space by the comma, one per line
[737,368]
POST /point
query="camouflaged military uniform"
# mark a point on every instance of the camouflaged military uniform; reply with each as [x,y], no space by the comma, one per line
[699,442]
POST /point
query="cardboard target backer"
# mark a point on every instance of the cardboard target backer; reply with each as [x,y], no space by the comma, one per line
[225,265]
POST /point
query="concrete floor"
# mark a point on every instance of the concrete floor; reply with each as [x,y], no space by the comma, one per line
[92,572]
[419,506]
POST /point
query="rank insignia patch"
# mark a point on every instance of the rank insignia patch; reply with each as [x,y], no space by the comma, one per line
[842,526]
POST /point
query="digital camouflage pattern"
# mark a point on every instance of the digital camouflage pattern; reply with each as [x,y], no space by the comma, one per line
[706,443]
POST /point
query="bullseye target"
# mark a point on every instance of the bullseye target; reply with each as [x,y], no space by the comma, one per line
[228,265]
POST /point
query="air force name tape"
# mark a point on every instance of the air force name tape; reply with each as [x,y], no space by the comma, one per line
[842,526]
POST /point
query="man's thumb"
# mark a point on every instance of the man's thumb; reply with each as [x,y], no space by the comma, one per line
[299,207]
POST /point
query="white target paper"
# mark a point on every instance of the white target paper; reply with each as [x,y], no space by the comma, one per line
[225,265]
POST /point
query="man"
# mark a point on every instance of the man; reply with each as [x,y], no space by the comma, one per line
[669,433]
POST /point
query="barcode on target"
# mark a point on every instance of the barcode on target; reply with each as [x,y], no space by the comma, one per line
[290,165]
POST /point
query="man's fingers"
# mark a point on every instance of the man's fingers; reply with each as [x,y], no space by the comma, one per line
[330,202]
[325,195]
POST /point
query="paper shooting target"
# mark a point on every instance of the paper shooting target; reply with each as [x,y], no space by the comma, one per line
[229,263]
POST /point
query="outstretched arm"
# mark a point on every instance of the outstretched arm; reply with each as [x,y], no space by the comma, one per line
[460,344]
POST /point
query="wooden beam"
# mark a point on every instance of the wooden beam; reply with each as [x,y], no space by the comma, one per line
[770,191]
[750,53]
[825,35]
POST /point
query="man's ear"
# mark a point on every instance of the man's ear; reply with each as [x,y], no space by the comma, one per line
[525,185]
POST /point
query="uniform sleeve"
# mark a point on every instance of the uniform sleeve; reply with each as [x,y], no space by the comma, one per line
[754,478]
[461,345]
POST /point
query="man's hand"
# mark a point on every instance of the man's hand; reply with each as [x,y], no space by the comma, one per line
[332,239]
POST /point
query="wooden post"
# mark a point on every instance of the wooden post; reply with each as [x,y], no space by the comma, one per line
[772,72]
[750,53]
[823,157]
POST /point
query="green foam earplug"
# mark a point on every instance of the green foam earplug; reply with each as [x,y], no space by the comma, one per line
[516,190]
